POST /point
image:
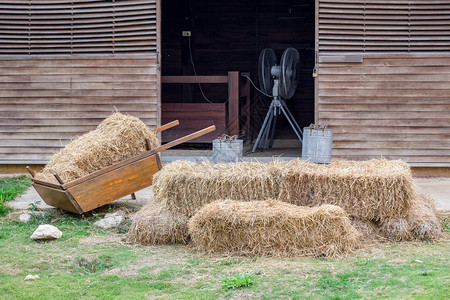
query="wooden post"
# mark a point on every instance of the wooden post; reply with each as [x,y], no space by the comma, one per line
[233,103]
[245,92]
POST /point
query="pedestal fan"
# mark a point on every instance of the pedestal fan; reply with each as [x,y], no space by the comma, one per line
[279,82]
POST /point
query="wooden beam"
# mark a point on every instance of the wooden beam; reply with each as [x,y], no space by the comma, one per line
[245,92]
[194,79]
[233,103]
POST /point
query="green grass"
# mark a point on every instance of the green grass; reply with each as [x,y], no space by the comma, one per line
[86,263]
[239,280]
[10,187]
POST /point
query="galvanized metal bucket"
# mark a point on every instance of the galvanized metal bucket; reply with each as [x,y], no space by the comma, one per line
[227,149]
[317,145]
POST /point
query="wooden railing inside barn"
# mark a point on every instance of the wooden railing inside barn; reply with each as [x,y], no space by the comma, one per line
[224,115]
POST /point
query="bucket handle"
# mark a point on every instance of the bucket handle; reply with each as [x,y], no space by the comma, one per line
[317,127]
[226,138]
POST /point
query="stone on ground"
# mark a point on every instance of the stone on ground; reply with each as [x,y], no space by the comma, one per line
[111,220]
[32,277]
[24,217]
[46,232]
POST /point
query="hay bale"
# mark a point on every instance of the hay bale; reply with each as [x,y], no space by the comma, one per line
[154,225]
[421,222]
[370,190]
[183,187]
[117,138]
[369,230]
[395,229]
[423,219]
[272,228]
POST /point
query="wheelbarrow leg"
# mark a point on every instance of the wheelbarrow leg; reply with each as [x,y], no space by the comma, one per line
[133,196]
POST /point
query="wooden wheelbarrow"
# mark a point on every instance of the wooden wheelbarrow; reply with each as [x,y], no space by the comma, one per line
[111,183]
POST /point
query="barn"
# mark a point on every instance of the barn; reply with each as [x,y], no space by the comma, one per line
[382,85]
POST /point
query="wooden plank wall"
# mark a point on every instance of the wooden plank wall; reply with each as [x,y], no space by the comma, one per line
[46,102]
[391,106]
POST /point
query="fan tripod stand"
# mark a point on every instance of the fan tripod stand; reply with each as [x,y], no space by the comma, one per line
[276,107]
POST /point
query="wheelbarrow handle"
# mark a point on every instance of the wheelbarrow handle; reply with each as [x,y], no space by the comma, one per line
[166,126]
[185,139]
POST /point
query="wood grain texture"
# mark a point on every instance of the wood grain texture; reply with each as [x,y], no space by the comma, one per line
[396,108]
[57,198]
[44,103]
[192,117]
[115,184]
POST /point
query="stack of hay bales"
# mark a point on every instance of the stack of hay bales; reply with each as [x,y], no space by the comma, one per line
[378,195]
[115,139]
[272,228]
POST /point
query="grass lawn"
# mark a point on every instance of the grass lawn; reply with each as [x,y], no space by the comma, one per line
[9,188]
[86,263]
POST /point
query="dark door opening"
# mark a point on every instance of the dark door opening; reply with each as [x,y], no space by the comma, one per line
[212,37]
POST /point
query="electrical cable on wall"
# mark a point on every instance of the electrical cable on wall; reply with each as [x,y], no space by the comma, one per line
[251,81]
[200,86]
[195,71]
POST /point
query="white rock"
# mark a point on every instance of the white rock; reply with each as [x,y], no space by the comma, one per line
[109,222]
[32,277]
[110,215]
[24,217]
[46,232]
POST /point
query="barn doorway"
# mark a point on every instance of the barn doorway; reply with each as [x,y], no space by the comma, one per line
[213,37]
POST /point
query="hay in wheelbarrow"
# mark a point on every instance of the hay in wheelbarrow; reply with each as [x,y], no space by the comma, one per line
[272,228]
[183,187]
[154,225]
[116,138]
[368,190]
[420,223]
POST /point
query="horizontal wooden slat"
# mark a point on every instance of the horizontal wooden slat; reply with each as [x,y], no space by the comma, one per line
[402,85]
[77,93]
[422,122]
[64,122]
[384,107]
[79,86]
[98,100]
[373,130]
[68,108]
[112,70]
[410,145]
[397,136]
